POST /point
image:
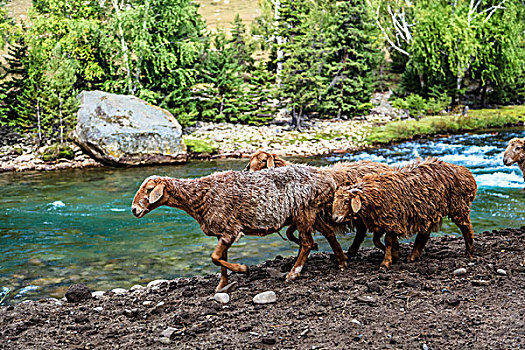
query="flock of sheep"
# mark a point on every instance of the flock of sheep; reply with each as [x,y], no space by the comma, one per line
[271,193]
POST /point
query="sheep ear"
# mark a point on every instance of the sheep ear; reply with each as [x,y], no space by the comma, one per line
[356,204]
[156,194]
[270,162]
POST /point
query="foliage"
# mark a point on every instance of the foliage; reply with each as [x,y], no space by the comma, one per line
[55,152]
[417,105]
[200,146]
[475,120]
[3,294]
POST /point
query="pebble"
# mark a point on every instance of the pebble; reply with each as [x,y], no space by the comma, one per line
[356,322]
[164,340]
[119,291]
[222,298]
[156,283]
[168,332]
[274,273]
[98,308]
[136,287]
[366,298]
[501,272]
[78,292]
[228,287]
[265,297]
[480,282]
[98,294]
[425,347]
[459,272]
[147,303]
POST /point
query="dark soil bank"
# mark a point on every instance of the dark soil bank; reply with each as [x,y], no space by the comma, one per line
[419,305]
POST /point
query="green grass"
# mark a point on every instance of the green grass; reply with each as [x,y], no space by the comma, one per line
[401,130]
[200,146]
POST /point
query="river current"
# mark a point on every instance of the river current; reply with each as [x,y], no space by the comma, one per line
[64,227]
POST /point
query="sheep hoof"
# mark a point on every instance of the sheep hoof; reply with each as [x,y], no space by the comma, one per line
[245,270]
[384,266]
[352,253]
[412,258]
[291,276]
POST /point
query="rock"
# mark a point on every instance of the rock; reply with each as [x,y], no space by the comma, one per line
[164,340]
[168,332]
[119,291]
[147,303]
[354,321]
[274,273]
[78,292]
[501,272]
[136,287]
[425,347]
[228,287]
[459,272]
[156,283]
[159,308]
[265,297]
[130,312]
[98,294]
[124,130]
[480,282]
[269,340]
[370,299]
[222,298]
[98,308]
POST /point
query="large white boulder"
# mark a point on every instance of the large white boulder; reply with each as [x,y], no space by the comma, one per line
[124,130]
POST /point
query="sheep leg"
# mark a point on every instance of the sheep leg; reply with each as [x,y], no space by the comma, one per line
[387,260]
[307,243]
[419,244]
[291,236]
[358,239]
[468,234]
[328,231]
[395,249]
[219,256]
[377,241]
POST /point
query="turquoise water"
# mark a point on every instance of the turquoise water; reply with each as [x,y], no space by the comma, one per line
[64,227]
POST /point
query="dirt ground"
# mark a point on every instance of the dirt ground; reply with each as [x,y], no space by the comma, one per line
[420,305]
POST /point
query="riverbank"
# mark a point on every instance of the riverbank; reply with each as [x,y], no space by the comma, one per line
[430,304]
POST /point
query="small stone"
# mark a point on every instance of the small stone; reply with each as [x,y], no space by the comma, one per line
[222,298]
[228,287]
[265,297]
[98,308]
[370,299]
[501,272]
[269,340]
[159,308]
[274,273]
[147,303]
[156,283]
[164,340]
[78,292]
[119,291]
[459,272]
[354,321]
[425,347]
[98,294]
[480,282]
[136,287]
[168,332]
[130,313]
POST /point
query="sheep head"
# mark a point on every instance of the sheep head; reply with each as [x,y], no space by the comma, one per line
[347,202]
[515,152]
[149,196]
[264,160]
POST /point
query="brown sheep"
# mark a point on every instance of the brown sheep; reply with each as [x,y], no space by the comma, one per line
[351,174]
[515,153]
[231,204]
[410,201]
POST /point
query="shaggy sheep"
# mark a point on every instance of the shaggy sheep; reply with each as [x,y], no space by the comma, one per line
[412,200]
[344,173]
[515,153]
[231,204]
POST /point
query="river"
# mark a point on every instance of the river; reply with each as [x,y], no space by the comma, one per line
[63,227]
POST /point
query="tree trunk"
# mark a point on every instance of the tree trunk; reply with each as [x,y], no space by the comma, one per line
[124,46]
[39,124]
[484,94]
[60,117]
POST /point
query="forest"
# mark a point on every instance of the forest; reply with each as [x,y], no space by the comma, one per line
[317,58]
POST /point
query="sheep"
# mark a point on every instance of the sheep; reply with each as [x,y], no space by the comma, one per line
[408,201]
[351,172]
[231,204]
[515,153]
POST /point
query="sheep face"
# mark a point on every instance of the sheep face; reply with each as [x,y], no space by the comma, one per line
[264,160]
[149,196]
[515,152]
[347,203]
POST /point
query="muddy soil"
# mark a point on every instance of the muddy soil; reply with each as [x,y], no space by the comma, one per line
[420,305]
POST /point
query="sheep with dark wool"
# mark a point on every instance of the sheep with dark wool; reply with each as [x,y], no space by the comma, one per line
[411,200]
[344,174]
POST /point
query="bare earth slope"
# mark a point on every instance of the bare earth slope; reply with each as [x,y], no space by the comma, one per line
[418,306]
